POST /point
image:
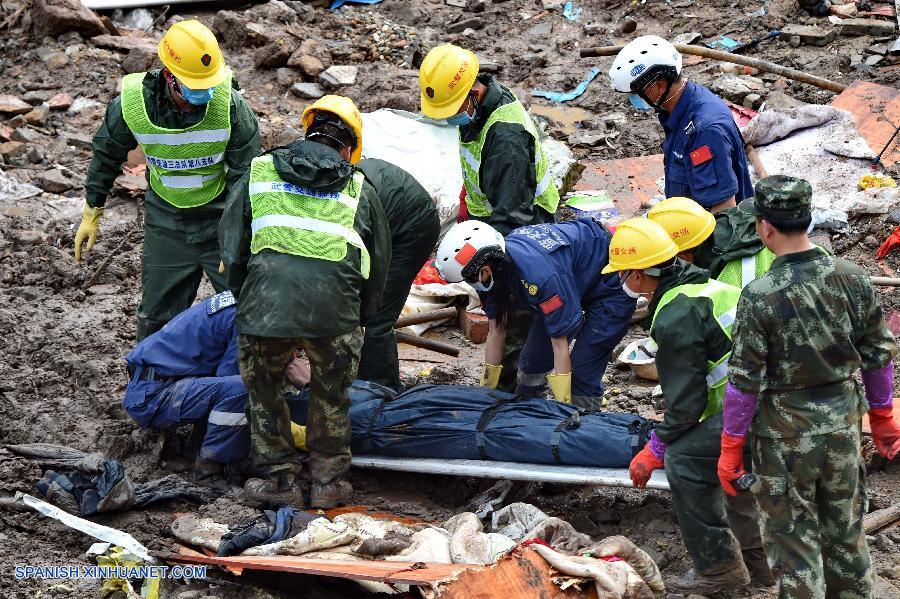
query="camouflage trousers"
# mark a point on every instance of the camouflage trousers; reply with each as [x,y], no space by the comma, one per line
[333,363]
[813,499]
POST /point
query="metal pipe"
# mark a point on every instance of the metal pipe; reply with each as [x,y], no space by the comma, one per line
[762,65]
[425,343]
[886,281]
[421,317]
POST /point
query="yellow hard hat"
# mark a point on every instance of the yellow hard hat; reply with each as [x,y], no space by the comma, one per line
[639,243]
[445,78]
[687,222]
[344,109]
[190,51]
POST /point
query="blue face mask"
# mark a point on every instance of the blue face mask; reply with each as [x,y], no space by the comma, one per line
[197,97]
[639,103]
[463,118]
[483,288]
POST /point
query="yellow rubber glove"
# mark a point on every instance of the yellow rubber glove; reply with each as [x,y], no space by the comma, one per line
[298,432]
[561,386]
[87,230]
[221,267]
[490,375]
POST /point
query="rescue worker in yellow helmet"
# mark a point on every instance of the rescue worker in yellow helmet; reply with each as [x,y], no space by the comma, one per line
[505,170]
[306,249]
[198,136]
[687,223]
[691,318]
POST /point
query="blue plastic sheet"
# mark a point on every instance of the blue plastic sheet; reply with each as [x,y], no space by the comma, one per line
[570,12]
[725,43]
[339,3]
[567,96]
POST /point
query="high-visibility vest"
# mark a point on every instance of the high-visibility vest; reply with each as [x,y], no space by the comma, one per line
[741,271]
[545,194]
[724,298]
[295,220]
[186,166]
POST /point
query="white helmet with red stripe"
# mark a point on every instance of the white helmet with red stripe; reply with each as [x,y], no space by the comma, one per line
[467,243]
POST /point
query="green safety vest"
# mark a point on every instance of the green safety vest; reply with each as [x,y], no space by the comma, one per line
[545,194]
[186,166]
[741,271]
[724,298]
[295,220]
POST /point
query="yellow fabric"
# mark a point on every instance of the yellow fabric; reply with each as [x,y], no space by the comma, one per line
[87,230]
[117,556]
[639,243]
[445,78]
[561,386]
[346,110]
[191,52]
[490,375]
[298,432]
[687,222]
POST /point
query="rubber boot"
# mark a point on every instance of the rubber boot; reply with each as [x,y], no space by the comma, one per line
[210,474]
[724,577]
[331,495]
[281,488]
[760,573]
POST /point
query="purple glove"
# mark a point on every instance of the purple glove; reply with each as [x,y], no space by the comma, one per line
[738,411]
[657,447]
[879,384]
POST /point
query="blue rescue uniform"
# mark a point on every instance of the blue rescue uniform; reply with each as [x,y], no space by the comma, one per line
[703,150]
[558,278]
[188,372]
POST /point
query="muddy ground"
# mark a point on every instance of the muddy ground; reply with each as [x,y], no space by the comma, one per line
[61,369]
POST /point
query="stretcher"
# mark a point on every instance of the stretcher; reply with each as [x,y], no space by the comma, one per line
[545,473]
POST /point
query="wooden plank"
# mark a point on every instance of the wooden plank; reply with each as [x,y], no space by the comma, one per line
[876,110]
[628,181]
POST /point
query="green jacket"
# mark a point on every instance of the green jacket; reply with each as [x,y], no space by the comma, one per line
[507,175]
[803,329]
[114,140]
[409,210]
[688,336]
[282,295]
[734,237]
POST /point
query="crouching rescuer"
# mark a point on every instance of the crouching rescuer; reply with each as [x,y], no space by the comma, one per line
[691,319]
[306,249]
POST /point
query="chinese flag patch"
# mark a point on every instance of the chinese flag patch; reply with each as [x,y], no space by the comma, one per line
[465,254]
[701,155]
[551,305]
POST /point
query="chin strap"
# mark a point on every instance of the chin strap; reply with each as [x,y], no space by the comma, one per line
[664,97]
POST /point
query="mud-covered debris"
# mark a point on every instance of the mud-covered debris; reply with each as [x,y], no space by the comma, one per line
[81,104]
[38,115]
[139,59]
[306,64]
[12,149]
[60,102]
[339,75]
[13,105]
[26,135]
[275,54]
[79,140]
[36,155]
[475,23]
[123,43]
[628,25]
[737,87]
[456,3]
[54,17]
[54,181]
[809,34]
[307,91]
[873,27]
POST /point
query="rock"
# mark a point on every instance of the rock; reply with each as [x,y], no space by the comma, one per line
[307,91]
[876,49]
[476,6]
[752,100]
[139,59]
[531,60]
[82,103]
[870,241]
[874,60]
[60,102]
[736,88]
[893,573]
[36,155]
[38,115]
[470,23]
[284,76]
[456,3]
[307,64]
[273,55]
[53,181]
[809,34]
[594,28]
[585,137]
[776,100]
[540,31]
[314,48]
[553,4]
[124,43]
[79,140]
[13,105]
[628,25]
[794,41]
[57,61]
[338,75]
[894,217]
[233,29]
[488,66]
[26,135]
[38,96]
[12,149]
[55,17]
[872,27]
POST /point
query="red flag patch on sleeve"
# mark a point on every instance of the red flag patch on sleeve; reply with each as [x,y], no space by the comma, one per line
[701,155]
[552,305]
[465,254]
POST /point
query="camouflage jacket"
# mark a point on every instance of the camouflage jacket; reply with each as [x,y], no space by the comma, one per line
[803,329]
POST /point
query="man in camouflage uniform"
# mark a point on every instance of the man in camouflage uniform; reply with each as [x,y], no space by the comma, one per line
[803,329]
[306,247]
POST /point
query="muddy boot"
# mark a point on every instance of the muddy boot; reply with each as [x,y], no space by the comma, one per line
[331,495]
[760,573]
[724,577]
[281,488]
[210,474]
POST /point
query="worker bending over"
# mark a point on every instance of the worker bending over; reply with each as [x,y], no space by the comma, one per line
[198,136]
[505,169]
[703,151]
[554,271]
[691,320]
[414,226]
[306,249]
[803,329]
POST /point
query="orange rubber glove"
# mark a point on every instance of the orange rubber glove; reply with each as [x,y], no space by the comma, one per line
[885,431]
[642,466]
[731,462]
[890,243]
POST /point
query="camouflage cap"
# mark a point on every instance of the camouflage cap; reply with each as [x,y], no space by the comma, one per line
[781,198]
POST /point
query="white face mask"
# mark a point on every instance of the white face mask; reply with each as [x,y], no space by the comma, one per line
[628,291]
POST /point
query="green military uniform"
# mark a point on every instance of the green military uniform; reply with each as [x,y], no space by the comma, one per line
[803,329]
[691,333]
[507,172]
[414,224]
[303,284]
[179,243]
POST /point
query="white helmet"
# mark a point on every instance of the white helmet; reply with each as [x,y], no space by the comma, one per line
[642,60]
[467,243]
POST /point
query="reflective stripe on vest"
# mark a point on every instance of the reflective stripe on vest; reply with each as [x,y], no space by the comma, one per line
[545,194]
[741,271]
[227,418]
[186,167]
[294,220]
[724,298]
